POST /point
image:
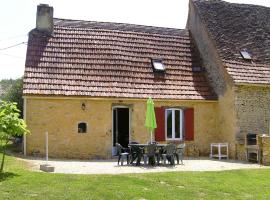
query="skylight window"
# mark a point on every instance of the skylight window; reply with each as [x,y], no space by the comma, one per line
[245,55]
[198,69]
[158,65]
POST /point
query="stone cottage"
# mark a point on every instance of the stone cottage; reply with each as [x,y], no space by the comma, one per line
[86,83]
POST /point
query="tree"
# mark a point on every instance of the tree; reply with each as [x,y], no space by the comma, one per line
[14,94]
[5,85]
[10,126]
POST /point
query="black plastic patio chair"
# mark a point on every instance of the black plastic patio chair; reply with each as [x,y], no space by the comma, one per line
[122,153]
[136,152]
[169,154]
[179,153]
[150,154]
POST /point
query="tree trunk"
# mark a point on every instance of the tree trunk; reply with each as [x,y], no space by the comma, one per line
[3,158]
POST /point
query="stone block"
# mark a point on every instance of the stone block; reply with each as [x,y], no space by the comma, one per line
[46,168]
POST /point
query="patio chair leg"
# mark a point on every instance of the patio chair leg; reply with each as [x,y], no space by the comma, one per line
[177,158]
[119,157]
[152,161]
[127,159]
[158,159]
[122,160]
[164,159]
[145,159]
[172,159]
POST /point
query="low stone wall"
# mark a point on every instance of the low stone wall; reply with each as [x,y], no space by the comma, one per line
[240,152]
[264,144]
[192,150]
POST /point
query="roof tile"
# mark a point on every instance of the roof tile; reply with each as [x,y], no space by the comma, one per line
[113,60]
[235,27]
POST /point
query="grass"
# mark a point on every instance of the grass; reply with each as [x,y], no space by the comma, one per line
[19,183]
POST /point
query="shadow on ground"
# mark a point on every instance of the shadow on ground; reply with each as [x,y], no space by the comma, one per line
[7,175]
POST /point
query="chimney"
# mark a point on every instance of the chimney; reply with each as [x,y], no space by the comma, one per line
[44,20]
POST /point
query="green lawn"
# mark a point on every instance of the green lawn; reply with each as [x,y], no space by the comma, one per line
[19,183]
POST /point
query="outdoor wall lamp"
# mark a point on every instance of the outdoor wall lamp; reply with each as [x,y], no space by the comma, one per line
[83,106]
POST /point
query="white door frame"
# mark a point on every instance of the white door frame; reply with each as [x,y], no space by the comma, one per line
[129,132]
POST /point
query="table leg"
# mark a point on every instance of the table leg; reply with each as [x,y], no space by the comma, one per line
[227,151]
[211,151]
[219,153]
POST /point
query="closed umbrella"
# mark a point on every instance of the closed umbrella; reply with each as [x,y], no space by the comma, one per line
[150,120]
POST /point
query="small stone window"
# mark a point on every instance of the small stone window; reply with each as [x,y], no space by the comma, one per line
[82,127]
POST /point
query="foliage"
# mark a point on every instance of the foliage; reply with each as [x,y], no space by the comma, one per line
[10,125]
[14,93]
[19,183]
[6,83]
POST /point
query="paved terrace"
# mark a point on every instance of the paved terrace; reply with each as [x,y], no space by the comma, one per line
[111,167]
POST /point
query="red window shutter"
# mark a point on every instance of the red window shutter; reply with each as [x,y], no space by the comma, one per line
[189,124]
[160,119]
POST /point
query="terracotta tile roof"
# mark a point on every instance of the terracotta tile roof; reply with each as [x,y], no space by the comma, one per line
[235,27]
[113,60]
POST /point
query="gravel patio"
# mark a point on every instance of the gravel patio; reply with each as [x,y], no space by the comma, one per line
[111,167]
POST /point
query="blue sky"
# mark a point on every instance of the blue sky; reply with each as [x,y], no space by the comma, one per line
[18,18]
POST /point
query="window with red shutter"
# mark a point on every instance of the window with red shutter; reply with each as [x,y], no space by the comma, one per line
[189,124]
[160,119]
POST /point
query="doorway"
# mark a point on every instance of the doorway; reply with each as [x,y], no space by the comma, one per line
[121,126]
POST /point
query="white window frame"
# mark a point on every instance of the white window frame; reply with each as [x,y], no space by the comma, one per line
[173,123]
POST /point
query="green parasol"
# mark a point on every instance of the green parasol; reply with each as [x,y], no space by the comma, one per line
[150,120]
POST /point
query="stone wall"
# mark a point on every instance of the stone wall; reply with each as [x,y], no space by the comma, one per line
[264,144]
[218,77]
[240,151]
[252,109]
[60,118]
[227,120]
[217,74]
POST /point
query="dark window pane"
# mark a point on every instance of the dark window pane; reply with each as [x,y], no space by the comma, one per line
[177,123]
[169,123]
[82,127]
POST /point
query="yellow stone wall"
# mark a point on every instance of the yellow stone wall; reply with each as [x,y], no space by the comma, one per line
[218,78]
[264,144]
[227,120]
[60,118]
[253,109]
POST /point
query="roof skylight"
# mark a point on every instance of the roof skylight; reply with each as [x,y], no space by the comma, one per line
[198,69]
[245,55]
[158,65]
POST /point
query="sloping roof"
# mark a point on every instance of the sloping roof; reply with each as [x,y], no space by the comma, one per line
[98,59]
[235,27]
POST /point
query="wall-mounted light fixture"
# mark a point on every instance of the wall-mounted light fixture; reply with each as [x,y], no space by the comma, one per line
[83,106]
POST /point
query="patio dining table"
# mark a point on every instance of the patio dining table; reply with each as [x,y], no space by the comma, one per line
[143,146]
